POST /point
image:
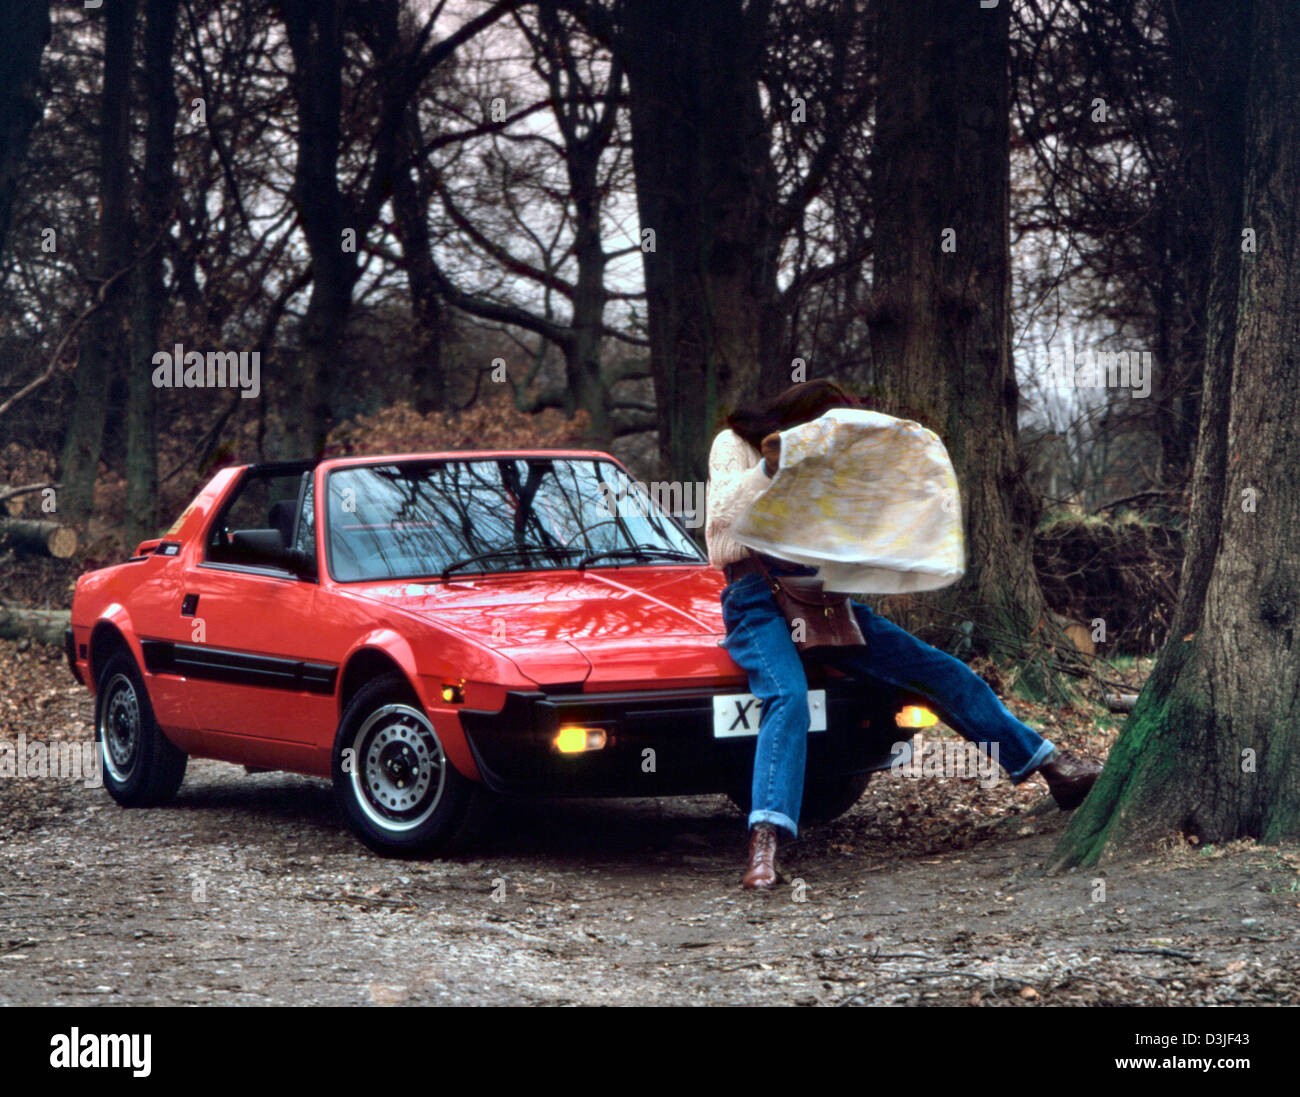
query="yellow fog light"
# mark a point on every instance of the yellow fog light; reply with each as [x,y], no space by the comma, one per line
[915,716]
[574,740]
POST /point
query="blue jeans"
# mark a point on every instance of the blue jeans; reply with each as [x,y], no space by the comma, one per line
[758,639]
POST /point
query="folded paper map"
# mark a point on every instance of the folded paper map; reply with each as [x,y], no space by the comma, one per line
[870,500]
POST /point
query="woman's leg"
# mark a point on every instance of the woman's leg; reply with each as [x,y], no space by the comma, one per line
[758,639]
[963,700]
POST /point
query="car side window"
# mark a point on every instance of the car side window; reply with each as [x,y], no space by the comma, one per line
[262,515]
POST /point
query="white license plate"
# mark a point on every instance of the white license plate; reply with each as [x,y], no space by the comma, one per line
[737,714]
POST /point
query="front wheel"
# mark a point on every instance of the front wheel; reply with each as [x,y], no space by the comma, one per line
[392,780]
[824,798]
[141,766]
[829,798]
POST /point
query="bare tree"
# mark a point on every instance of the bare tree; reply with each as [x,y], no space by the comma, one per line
[523,207]
[334,220]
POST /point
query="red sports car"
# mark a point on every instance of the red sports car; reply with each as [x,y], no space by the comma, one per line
[429,631]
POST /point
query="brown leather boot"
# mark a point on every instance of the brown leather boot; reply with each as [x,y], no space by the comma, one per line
[761,871]
[1069,778]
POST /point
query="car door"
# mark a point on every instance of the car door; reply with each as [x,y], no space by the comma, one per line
[259,671]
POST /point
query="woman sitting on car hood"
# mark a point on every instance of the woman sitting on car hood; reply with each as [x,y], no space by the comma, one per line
[742,462]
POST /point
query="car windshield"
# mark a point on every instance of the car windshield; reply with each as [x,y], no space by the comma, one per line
[422,519]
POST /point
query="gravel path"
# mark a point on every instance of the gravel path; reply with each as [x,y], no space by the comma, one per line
[248,890]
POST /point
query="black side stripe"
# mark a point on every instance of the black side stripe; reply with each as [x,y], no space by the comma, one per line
[237,667]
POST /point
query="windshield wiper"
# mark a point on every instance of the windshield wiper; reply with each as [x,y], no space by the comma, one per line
[513,550]
[640,552]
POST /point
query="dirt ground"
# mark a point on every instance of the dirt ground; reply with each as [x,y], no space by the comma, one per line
[249,890]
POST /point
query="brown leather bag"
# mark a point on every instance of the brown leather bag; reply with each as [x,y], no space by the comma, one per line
[828,619]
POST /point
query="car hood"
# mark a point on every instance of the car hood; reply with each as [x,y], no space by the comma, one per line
[608,624]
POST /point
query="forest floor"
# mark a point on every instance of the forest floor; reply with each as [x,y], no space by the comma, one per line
[249,890]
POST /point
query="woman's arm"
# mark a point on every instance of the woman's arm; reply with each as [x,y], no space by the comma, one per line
[736,478]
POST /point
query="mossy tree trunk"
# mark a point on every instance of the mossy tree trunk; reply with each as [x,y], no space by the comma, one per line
[1211,746]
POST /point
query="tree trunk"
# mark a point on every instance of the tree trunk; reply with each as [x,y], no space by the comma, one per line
[940,323]
[587,389]
[315,34]
[307,409]
[27,30]
[411,197]
[706,189]
[1212,45]
[150,298]
[1189,230]
[586,120]
[103,343]
[37,537]
[1184,250]
[1210,749]
[315,30]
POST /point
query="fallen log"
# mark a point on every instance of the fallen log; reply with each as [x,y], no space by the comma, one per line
[14,499]
[7,494]
[32,536]
[43,625]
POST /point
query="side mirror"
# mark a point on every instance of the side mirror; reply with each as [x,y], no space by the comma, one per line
[301,562]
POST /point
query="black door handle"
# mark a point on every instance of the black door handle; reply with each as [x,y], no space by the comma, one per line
[189,604]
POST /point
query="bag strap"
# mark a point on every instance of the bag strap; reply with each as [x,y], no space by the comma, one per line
[762,567]
[818,598]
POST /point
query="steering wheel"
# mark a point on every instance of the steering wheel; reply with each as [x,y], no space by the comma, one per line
[587,529]
[377,562]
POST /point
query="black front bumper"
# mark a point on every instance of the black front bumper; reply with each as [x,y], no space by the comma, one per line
[661,742]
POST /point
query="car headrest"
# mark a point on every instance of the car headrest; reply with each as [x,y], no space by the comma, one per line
[257,540]
[281,516]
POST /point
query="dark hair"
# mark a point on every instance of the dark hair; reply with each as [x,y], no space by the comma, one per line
[800,403]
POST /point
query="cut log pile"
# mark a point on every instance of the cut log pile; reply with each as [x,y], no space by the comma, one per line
[43,625]
[31,537]
[35,536]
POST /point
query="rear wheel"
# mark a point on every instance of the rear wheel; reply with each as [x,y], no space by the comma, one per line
[392,780]
[141,766]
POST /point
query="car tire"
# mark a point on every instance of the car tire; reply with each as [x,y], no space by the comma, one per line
[392,780]
[827,799]
[142,768]
[824,798]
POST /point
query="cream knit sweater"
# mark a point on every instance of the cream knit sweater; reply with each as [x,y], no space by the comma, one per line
[736,478]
